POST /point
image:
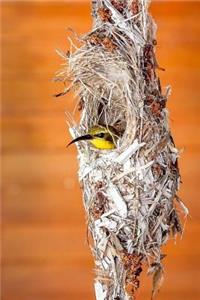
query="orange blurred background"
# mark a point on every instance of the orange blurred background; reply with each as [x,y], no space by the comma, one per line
[45,254]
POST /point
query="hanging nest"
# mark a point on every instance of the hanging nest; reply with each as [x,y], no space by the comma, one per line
[130,192]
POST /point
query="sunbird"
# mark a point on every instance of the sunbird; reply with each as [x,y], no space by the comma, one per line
[101,137]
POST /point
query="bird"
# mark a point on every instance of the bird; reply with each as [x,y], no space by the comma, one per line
[101,137]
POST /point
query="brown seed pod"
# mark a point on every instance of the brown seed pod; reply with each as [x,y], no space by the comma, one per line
[133,267]
[108,44]
[94,39]
[156,108]
[98,207]
[134,7]
[104,14]
[119,5]
[149,100]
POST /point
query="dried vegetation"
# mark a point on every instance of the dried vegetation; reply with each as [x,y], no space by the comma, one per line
[130,192]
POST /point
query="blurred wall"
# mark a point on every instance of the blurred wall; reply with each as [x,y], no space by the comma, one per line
[45,254]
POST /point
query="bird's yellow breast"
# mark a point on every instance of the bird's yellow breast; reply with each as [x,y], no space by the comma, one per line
[102,144]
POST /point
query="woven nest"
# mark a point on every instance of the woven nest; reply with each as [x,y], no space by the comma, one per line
[130,192]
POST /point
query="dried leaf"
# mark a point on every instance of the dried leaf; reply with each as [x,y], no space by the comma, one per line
[158,279]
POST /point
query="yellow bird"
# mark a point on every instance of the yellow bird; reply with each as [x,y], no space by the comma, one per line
[101,137]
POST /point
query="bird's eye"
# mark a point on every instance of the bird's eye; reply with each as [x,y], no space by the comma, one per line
[100,135]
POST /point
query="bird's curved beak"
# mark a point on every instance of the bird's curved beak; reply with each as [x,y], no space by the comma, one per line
[81,138]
